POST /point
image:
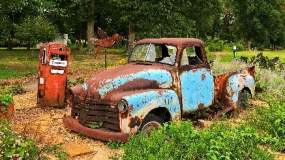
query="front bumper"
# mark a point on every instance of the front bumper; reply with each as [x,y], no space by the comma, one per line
[101,134]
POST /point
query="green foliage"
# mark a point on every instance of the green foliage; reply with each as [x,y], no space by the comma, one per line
[5,97]
[181,141]
[270,121]
[34,30]
[16,89]
[73,82]
[55,150]
[18,63]
[264,62]
[214,45]
[260,21]
[13,146]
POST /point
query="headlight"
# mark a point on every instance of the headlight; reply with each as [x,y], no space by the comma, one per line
[123,106]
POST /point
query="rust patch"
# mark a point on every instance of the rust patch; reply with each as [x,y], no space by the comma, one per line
[100,134]
[135,121]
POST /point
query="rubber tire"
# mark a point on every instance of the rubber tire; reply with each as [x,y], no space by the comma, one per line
[243,97]
[150,122]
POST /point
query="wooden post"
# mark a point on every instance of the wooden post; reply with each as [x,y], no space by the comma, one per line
[105,56]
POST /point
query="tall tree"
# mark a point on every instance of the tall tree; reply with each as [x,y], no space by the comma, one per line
[260,21]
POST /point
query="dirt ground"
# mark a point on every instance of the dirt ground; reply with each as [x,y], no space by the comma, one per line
[45,126]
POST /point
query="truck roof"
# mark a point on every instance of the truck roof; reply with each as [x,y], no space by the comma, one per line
[179,42]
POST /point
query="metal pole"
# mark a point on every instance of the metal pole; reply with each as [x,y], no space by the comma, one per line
[105,58]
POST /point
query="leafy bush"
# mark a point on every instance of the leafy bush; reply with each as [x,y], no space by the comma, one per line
[13,146]
[17,89]
[34,30]
[6,99]
[272,82]
[264,62]
[214,45]
[74,82]
[181,141]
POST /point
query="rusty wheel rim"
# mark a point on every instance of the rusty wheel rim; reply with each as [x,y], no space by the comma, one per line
[150,126]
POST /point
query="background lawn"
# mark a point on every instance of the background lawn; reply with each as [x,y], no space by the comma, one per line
[227,56]
[18,63]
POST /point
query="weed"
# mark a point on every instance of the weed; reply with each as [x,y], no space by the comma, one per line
[55,150]
[5,99]
[182,141]
[13,146]
[114,145]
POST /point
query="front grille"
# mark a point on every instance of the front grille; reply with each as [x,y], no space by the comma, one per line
[103,116]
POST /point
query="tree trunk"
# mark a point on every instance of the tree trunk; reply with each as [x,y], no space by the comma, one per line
[90,29]
[249,45]
[90,22]
[131,38]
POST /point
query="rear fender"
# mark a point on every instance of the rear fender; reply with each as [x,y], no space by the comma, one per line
[237,83]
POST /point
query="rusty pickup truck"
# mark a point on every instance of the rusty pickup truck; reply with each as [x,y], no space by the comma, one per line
[165,79]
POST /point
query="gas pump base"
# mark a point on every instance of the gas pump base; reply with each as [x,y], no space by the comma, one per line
[100,134]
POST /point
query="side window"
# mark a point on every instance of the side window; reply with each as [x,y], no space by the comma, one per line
[192,56]
[44,59]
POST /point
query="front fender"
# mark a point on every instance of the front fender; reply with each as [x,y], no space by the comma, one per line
[143,102]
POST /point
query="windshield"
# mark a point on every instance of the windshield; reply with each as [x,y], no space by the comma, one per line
[159,53]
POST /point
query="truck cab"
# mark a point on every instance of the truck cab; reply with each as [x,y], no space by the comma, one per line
[165,80]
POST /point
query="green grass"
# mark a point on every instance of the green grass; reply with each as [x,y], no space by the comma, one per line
[227,56]
[17,63]
[21,62]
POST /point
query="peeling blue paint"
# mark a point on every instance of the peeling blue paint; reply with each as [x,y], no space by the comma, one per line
[238,82]
[162,77]
[197,87]
[155,99]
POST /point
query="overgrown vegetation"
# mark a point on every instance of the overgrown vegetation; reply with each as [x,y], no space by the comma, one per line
[182,141]
[269,120]
[260,133]
[5,99]
[13,146]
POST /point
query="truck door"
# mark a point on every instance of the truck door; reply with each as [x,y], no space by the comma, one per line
[196,79]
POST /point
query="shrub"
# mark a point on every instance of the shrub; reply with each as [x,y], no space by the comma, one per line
[34,30]
[13,146]
[214,45]
[181,141]
[6,99]
[272,82]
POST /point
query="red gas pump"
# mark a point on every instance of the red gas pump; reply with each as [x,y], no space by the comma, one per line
[52,80]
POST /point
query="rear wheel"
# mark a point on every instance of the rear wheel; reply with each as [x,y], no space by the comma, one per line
[243,98]
[242,102]
[150,123]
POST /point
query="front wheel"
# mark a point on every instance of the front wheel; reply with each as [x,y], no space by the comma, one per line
[150,123]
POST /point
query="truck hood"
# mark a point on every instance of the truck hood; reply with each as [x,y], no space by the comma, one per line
[124,78]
